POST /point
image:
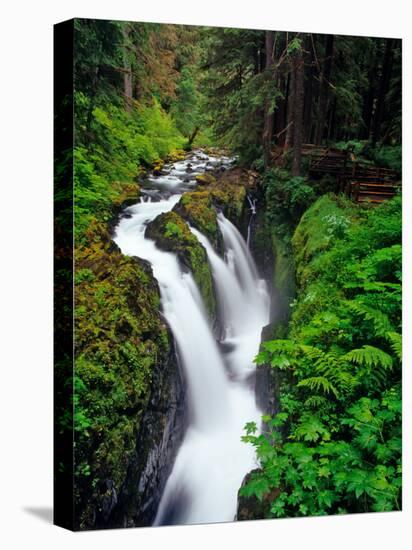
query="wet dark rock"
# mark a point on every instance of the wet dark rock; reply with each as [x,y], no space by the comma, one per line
[251,508]
[107,502]
[267,382]
[126,491]
[172,234]
[162,430]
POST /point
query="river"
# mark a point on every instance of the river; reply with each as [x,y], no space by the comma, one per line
[212,460]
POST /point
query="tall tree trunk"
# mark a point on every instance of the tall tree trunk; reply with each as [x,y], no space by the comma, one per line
[383,88]
[368,101]
[307,116]
[368,108]
[192,136]
[324,89]
[290,111]
[279,122]
[127,72]
[268,116]
[332,116]
[298,112]
[280,113]
[258,61]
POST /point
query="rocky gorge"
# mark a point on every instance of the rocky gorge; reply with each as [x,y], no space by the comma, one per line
[154,415]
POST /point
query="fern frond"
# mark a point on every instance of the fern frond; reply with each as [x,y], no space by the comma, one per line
[276,346]
[379,320]
[395,340]
[370,357]
[319,383]
[316,401]
[329,366]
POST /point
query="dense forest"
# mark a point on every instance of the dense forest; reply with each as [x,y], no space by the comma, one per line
[314,123]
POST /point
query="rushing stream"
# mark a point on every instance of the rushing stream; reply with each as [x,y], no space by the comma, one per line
[212,460]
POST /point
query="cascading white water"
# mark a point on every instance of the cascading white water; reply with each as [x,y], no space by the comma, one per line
[242,298]
[212,460]
[183,309]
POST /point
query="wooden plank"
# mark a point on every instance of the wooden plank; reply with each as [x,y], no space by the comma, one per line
[377,201]
[377,185]
[376,193]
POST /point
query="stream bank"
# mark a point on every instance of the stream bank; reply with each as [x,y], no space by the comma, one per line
[155,415]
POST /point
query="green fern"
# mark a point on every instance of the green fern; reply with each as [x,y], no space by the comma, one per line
[330,366]
[373,365]
[378,319]
[319,383]
[395,340]
[370,357]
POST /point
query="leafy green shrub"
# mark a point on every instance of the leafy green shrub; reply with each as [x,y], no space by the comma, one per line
[122,143]
[335,447]
[388,156]
[332,465]
[286,199]
[355,146]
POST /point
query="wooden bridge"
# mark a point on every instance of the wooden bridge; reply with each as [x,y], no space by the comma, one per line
[360,181]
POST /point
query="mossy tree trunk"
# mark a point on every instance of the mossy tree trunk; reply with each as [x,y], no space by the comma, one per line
[127,72]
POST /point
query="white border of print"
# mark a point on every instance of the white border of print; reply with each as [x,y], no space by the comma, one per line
[26,273]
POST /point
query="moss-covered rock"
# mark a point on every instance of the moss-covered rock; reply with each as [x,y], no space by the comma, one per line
[129,192]
[226,193]
[229,198]
[321,226]
[205,179]
[176,155]
[121,342]
[251,508]
[172,234]
[284,268]
[157,167]
[327,219]
[197,208]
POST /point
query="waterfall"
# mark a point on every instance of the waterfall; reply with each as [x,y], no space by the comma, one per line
[212,460]
[252,204]
[183,308]
[243,309]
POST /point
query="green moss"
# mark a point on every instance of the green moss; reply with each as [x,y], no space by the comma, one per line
[205,179]
[327,220]
[125,193]
[329,245]
[172,234]
[226,193]
[230,198]
[176,155]
[173,230]
[197,208]
[120,337]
